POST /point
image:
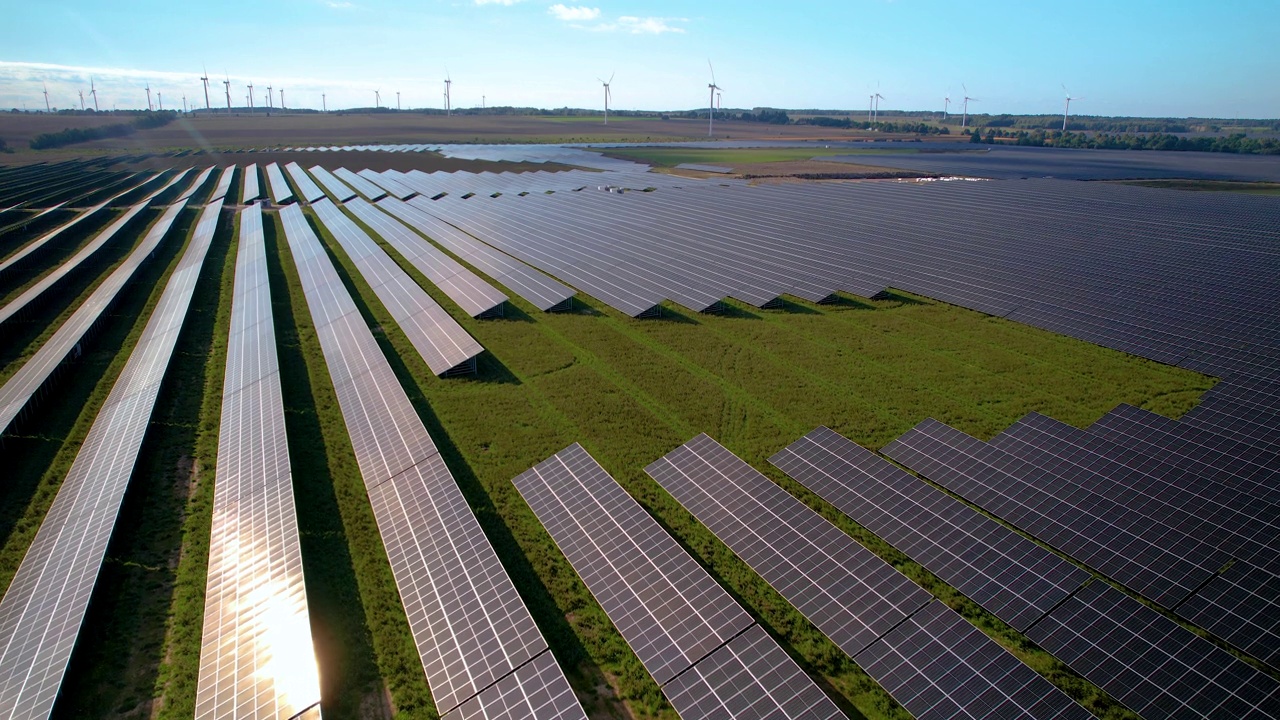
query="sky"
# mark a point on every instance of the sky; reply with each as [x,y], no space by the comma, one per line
[1159,58]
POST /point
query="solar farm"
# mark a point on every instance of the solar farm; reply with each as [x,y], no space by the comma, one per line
[301,440]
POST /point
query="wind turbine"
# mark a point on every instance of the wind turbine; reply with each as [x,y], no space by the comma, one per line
[377,99]
[448,104]
[81,99]
[282,98]
[160,99]
[184,103]
[324,105]
[719,96]
[871,104]
[877,97]
[94,92]
[606,95]
[946,105]
[227,85]
[250,86]
[205,79]
[1067,108]
[711,101]
[46,96]
[269,96]
[964,122]
[397,101]
[149,108]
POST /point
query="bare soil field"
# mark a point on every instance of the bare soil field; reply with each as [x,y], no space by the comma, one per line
[354,160]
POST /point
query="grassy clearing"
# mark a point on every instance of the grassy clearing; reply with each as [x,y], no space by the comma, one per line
[670,157]
[630,391]
[1249,188]
[141,657]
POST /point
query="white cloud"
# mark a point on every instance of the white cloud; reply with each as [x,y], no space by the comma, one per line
[507,3]
[574,13]
[339,4]
[647,25]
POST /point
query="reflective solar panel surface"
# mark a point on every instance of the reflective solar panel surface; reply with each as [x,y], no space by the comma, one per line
[257,661]
[281,193]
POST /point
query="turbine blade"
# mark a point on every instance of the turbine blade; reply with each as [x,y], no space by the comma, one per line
[615,72]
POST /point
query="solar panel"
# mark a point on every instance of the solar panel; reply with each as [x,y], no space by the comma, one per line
[852,595]
[310,191]
[467,620]
[1015,579]
[44,606]
[371,192]
[224,183]
[1158,563]
[1149,663]
[667,608]
[393,187]
[442,343]
[249,189]
[535,690]
[338,189]
[1242,606]
[281,193]
[749,678]
[691,636]
[257,661]
[939,666]
[475,296]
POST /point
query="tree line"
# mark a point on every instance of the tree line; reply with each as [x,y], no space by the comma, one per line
[72,136]
[1238,143]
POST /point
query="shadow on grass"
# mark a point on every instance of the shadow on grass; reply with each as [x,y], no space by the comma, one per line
[792,307]
[343,640]
[901,297]
[734,311]
[510,312]
[672,313]
[840,301]
[489,369]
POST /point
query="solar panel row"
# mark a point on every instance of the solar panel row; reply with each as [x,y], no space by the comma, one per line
[710,658]
[338,189]
[371,192]
[31,380]
[224,183]
[926,656]
[41,612]
[539,290]
[469,624]
[281,193]
[310,191]
[393,187]
[477,297]
[1063,618]
[256,659]
[249,187]
[444,345]
[14,308]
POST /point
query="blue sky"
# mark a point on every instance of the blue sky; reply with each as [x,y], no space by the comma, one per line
[1125,57]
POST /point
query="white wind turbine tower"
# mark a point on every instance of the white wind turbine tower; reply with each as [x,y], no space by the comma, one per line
[606,95]
[269,96]
[877,97]
[324,104]
[1067,108]
[377,99]
[149,108]
[282,98]
[205,79]
[184,103]
[964,122]
[227,86]
[871,105]
[397,101]
[250,86]
[81,99]
[93,90]
[711,102]
[160,99]
[448,103]
[46,96]
[946,105]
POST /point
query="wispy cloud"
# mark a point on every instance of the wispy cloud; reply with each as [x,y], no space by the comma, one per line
[574,13]
[649,25]
[507,3]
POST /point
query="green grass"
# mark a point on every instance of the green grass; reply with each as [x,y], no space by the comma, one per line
[630,391]
[670,156]
[1249,188]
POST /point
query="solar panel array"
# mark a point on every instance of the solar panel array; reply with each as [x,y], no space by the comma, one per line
[695,641]
[371,192]
[15,307]
[471,629]
[256,659]
[1028,586]
[392,186]
[1013,578]
[444,345]
[30,381]
[475,296]
[536,288]
[926,656]
[281,193]
[45,604]
[224,183]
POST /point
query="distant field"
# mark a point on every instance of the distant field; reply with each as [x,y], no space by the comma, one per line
[1249,188]
[670,157]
